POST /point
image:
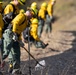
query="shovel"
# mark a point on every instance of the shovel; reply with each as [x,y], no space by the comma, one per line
[39,65]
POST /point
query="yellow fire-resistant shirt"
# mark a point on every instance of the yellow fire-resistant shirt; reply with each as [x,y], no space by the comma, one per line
[42,13]
[9,8]
[33,31]
[50,9]
[19,23]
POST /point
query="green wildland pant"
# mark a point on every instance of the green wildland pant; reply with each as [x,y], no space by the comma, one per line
[48,24]
[11,49]
[40,27]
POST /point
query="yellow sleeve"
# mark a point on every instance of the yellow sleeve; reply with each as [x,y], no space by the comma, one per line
[50,9]
[41,13]
[16,22]
[8,9]
[33,32]
[19,23]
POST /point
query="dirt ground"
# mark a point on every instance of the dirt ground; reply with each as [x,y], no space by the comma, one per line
[59,55]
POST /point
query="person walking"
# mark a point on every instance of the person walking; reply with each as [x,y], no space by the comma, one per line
[42,17]
[33,33]
[11,7]
[19,23]
[34,11]
[49,17]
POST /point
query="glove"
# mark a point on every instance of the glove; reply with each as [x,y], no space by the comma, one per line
[0,42]
[21,43]
[15,37]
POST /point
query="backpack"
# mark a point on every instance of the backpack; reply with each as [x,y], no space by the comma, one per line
[7,18]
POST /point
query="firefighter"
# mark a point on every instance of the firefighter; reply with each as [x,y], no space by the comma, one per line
[49,17]
[33,33]
[12,61]
[19,23]
[42,17]
[34,11]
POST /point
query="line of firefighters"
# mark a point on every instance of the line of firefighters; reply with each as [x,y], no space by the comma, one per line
[19,23]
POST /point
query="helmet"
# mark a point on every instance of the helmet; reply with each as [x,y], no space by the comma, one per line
[22,2]
[34,5]
[22,11]
[35,20]
[44,4]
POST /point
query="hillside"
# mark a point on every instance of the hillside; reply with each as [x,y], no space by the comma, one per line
[60,55]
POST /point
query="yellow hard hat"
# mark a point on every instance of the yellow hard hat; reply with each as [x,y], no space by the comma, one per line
[34,5]
[35,20]
[44,4]
[22,11]
[22,2]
